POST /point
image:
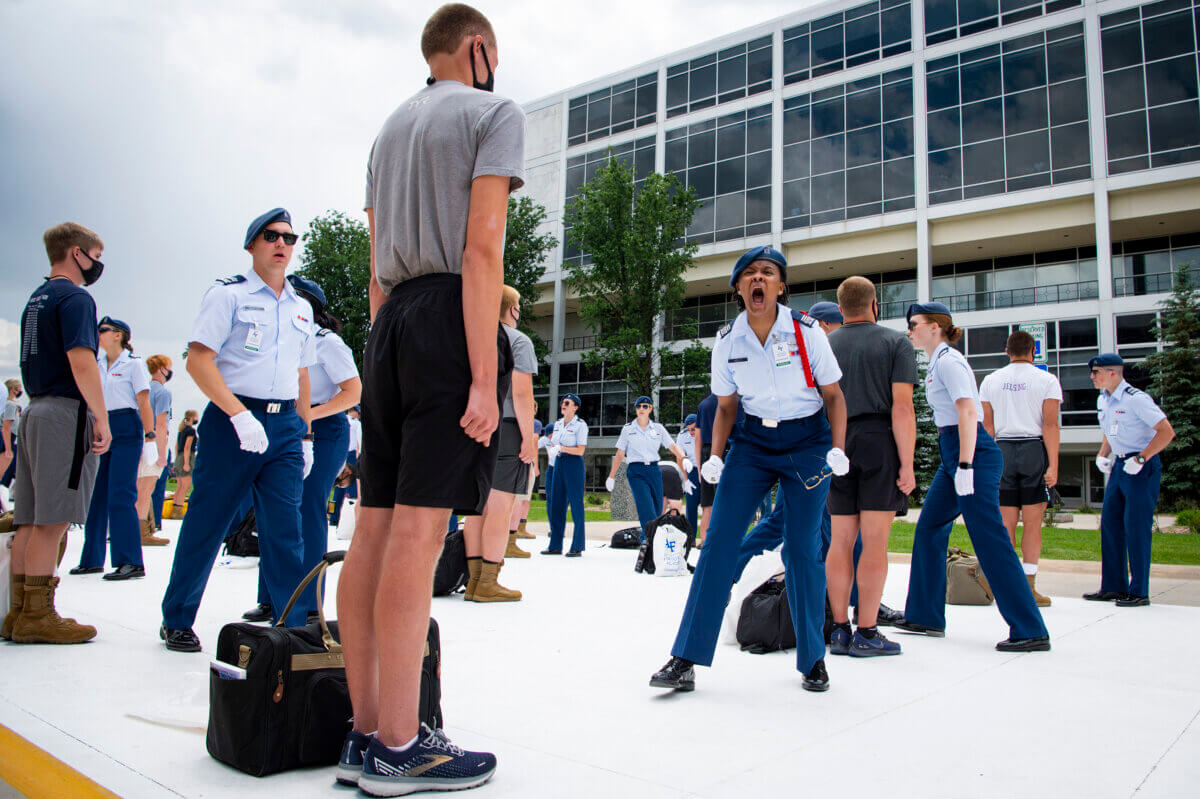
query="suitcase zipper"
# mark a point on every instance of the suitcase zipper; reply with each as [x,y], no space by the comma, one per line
[277,697]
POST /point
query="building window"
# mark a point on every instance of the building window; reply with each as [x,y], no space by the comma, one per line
[846,39]
[1137,338]
[1035,279]
[613,109]
[1151,109]
[700,317]
[1148,266]
[731,74]
[680,392]
[950,19]
[605,404]
[1008,116]
[727,161]
[636,155]
[848,151]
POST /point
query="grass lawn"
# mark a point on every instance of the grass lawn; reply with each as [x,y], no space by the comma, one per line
[537,513]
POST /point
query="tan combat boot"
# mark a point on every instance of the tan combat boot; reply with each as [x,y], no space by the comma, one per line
[149,539]
[513,551]
[18,601]
[488,590]
[39,622]
[473,567]
[522,532]
[1041,600]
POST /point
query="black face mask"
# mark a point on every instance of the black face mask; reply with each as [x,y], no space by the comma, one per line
[19,393]
[93,272]
[489,84]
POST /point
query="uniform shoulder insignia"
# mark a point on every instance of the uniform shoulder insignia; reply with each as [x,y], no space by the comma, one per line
[229,281]
[803,318]
[724,331]
[323,332]
[1131,391]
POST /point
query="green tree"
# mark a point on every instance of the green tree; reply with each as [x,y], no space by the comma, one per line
[524,263]
[337,257]
[634,238]
[1175,383]
[926,455]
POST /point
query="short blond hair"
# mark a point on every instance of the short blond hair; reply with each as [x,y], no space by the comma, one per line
[855,296]
[509,299]
[12,384]
[61,238]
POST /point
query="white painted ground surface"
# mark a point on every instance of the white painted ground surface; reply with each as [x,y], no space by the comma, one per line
[556,685]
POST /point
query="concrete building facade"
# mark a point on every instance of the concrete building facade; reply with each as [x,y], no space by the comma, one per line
[1018,160]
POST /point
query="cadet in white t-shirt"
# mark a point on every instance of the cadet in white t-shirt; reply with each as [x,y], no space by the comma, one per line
[1020,410]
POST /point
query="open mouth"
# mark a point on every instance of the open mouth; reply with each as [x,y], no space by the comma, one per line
[758,297]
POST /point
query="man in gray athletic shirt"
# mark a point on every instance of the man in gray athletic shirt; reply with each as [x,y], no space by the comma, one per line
[436,370]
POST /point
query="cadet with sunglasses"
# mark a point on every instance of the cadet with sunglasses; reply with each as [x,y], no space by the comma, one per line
[567,444]
[249,352]
[641,441]
[779,363]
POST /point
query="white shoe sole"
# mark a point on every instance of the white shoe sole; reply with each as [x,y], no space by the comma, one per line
[399,786]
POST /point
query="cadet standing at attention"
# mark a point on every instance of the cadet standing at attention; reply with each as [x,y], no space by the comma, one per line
[249,352]
[780,364]
[1135,430]
[641,440]
[567,444]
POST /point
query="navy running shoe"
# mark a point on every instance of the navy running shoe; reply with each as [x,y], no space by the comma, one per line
[863,647]
[431,763]
[350,764]
[839,641]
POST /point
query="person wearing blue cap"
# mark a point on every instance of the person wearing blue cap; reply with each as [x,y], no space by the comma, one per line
[968,483]
[640,442]
[779,363]
[567,445]
[249,352]
[1135,430]
[113,515]
[686,440]
[827,314]
[334,387]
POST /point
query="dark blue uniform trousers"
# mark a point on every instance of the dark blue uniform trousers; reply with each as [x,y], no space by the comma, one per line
[549,483]
[692,500]
[567,489]
[926,602]
[160,493]
[1126,527]
[113,512]
[645,481]
[791,453]
[340,493]
[331,439]
[223,477]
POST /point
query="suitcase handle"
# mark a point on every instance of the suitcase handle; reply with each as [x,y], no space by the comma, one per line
[318,574]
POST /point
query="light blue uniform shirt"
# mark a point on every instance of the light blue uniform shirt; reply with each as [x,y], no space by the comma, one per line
[642,446]
[770,377]
[160,399]
[335,364]
[261,340]
[687,442]
[950,379]
[570,434]
[1127,418]
[123,380]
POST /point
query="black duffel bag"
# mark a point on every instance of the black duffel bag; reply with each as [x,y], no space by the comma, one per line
[293,709]
[629,538]
[765,622]
[451,573]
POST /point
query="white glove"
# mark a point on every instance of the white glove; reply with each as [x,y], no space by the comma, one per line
[688,487]
[307,448]
[964,482]
[552,452]
[711,470]
[838,462]
[1132,466]
[1105,464]
[250,432]
[150,453]
[688,466]
[609,485]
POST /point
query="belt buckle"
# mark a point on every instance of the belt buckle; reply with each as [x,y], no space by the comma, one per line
[274,407]
[770,423]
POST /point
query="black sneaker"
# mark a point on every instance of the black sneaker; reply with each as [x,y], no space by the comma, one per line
[180,640]
[431,763]
[817,679]
[839,640]
[1039,644]
[350,764]
[863,647]
[1131,601]
[678,674]
[912,627]
[261,612]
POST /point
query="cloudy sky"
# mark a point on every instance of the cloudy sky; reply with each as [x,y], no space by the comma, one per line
[167,126]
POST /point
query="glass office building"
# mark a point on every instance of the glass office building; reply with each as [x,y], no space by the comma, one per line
[1018,160]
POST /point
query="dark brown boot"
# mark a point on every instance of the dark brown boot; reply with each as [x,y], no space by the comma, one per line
[39,622]
[18,601]
[489,590]
[513,551]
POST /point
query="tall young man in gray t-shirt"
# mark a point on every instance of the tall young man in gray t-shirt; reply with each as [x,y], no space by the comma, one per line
[436,370]
[879,369]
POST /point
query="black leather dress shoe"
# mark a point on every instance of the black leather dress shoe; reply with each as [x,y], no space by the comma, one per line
[551,551]
[912,627]
[1103,596]
[817,678]
[1131,601]
[885,618]
[574,553]
[87,570]
[180,640]
[126,571]
[262,612]
[1039,644]
[678,674]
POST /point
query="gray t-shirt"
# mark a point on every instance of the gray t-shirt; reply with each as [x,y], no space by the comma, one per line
[420,171]
[12,413]
[872,357]
[524,360]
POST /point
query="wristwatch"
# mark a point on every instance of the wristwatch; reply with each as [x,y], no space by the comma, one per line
[1140,458]
[965,465]
[150,436]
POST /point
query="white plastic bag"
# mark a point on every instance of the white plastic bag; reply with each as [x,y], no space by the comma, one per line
[669,542]
[345,528]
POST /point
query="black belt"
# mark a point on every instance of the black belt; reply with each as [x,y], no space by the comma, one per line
[267,405]
[644,463]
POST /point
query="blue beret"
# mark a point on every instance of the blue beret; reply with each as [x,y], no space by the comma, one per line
[644,399]
[308,287]
[572,397]
[537,427]
[1105,359]
[926,308]
[826,311]
[690,419]
[256,227]
[117,323]
[756,254]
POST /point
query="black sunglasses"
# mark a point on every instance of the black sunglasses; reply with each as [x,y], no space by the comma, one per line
[272,236]
[107,329]
[643,405]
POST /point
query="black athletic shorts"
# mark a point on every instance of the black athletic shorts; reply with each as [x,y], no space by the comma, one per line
[672,483]
[1024,479]
[512,474]
[874,469]
[416,380]
[708,491]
